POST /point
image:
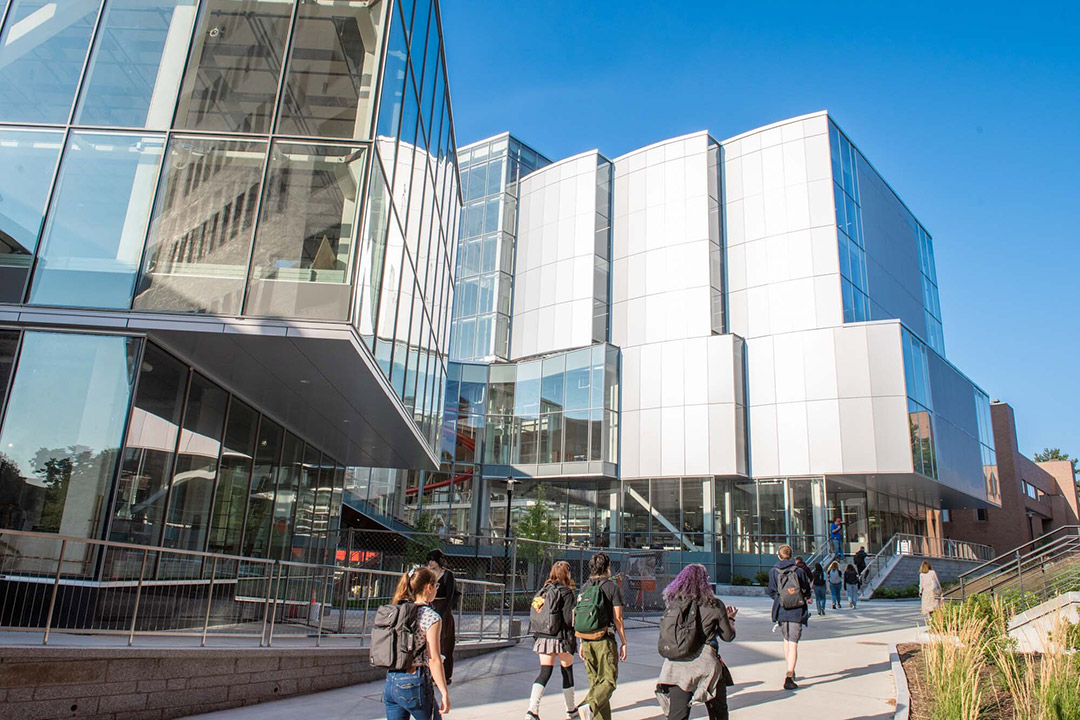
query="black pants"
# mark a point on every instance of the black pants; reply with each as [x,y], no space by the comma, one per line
[447,639]
[680,704]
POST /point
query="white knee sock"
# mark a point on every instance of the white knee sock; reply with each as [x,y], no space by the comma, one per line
[568,696]
[534,699]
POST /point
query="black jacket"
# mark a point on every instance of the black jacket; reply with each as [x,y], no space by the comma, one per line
[860,560]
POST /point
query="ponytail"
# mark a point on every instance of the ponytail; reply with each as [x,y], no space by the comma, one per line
[412,583]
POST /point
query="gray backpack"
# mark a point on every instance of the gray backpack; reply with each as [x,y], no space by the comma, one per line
[393,636]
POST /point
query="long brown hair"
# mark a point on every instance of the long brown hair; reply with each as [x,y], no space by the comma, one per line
[412,584]
[560,573]
[925,567]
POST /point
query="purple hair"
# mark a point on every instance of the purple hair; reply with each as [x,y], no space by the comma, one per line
[691,583]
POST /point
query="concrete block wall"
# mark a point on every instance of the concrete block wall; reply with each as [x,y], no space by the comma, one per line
[120,683]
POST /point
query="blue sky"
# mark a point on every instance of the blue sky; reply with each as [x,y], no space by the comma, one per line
[970,111]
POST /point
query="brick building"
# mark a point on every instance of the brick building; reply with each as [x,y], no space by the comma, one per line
[1036,498]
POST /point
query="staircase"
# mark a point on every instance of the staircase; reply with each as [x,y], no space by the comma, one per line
[905,549]
[1030,574]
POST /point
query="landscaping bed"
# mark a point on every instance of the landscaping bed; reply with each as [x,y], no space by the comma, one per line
[997,703]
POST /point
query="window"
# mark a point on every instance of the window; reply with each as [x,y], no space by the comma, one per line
[150,449]
[232,74]
[333,63]
[62,434]
[135,68]
[292,457]
[92,243]
[981,515]
[231,495]
[9,345]
[200,233]
[945,515]
[29,161]
[307,232]
[260,511]
[196,470]
[42,49]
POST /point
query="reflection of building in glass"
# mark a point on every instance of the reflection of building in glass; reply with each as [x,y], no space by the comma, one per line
[226,252]
[714,348]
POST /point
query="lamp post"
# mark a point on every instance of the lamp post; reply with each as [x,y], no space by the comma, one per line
[510,483]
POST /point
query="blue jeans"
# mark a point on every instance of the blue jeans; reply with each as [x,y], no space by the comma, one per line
[838,546]
[410,695]
[834,588]
[853,594]
[819,596]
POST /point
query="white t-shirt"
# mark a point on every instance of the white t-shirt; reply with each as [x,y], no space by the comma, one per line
[426,617]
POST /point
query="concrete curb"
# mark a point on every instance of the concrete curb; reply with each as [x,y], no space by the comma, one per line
[903,697]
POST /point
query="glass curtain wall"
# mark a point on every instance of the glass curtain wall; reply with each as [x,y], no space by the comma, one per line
[490,172]
[62,437]
[920,405]
[845,173]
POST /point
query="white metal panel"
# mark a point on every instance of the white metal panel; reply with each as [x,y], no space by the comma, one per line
[696,439]
[819,362]
[761,372]
[673,443]
[892,434]
[852,362]
[886,360]
[725,437]
[649,439]
[823,429]
[792,438]
[857,435]
[764,452]
[671,374]
[788,363]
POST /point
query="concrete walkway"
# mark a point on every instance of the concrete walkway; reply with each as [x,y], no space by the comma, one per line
[843,671]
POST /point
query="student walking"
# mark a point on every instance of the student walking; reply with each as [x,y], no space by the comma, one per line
[551,620]
[860,560]
[929,589]
[836,580]
[599,612]
[818,580]
[445,597]
[409,693]
[693,620]
[852,583]
[789,588]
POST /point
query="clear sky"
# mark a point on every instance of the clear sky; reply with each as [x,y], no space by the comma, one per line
[970,111]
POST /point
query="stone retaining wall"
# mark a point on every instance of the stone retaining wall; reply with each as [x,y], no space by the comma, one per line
[160,683]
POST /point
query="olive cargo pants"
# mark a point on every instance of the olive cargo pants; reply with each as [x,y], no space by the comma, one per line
[602,667]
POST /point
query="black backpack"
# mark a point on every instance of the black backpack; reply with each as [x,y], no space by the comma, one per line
[545,612]
[393,636]
[681,635]
[789,588]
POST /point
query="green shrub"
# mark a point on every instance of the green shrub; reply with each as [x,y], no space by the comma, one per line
[740,580]
[761,577]
[904,593]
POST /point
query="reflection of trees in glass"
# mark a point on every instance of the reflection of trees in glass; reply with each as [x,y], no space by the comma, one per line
[538,523]
[40,504]
[922,444]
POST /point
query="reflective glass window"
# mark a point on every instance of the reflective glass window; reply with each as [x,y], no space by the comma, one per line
[551,437]
[305,504]
[9,345]
[196,465]
[578,370]
[137,62]
[528,432]
[234,477]
[42,51]
[97,223]
[373,253]
[62,435]
[527,393]
[307,232]
[29,161]
[281,533]
[392,91]
[552,384]
[150,449]
[577,436]
[232,74]
[260,509]
[200,235]
[333,63]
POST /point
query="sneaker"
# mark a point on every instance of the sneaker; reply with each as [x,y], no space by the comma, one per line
[584,711]
[789,683]
[530,715]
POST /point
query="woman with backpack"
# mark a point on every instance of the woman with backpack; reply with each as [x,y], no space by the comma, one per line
[410,693]
[694,619]
[836,581]
[551,620]
[852,583]
[819,588]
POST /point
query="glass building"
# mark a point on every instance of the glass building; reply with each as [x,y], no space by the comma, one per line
[766,311]
[227,241]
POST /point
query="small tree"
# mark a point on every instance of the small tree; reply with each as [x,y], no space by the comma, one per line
[538,524]
[423,541]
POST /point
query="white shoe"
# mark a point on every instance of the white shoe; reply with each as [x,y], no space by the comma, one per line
[585,712]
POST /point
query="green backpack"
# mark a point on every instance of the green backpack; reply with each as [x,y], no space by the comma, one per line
[593,611]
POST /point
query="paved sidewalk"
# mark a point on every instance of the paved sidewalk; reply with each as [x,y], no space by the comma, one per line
[844,673]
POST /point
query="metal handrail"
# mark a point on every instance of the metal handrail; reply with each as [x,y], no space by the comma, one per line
[191,603]
[1011,571]
[1042,539]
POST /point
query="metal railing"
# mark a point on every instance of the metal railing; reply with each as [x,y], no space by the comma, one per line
[1030,573]
[921,546]
[51,583]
